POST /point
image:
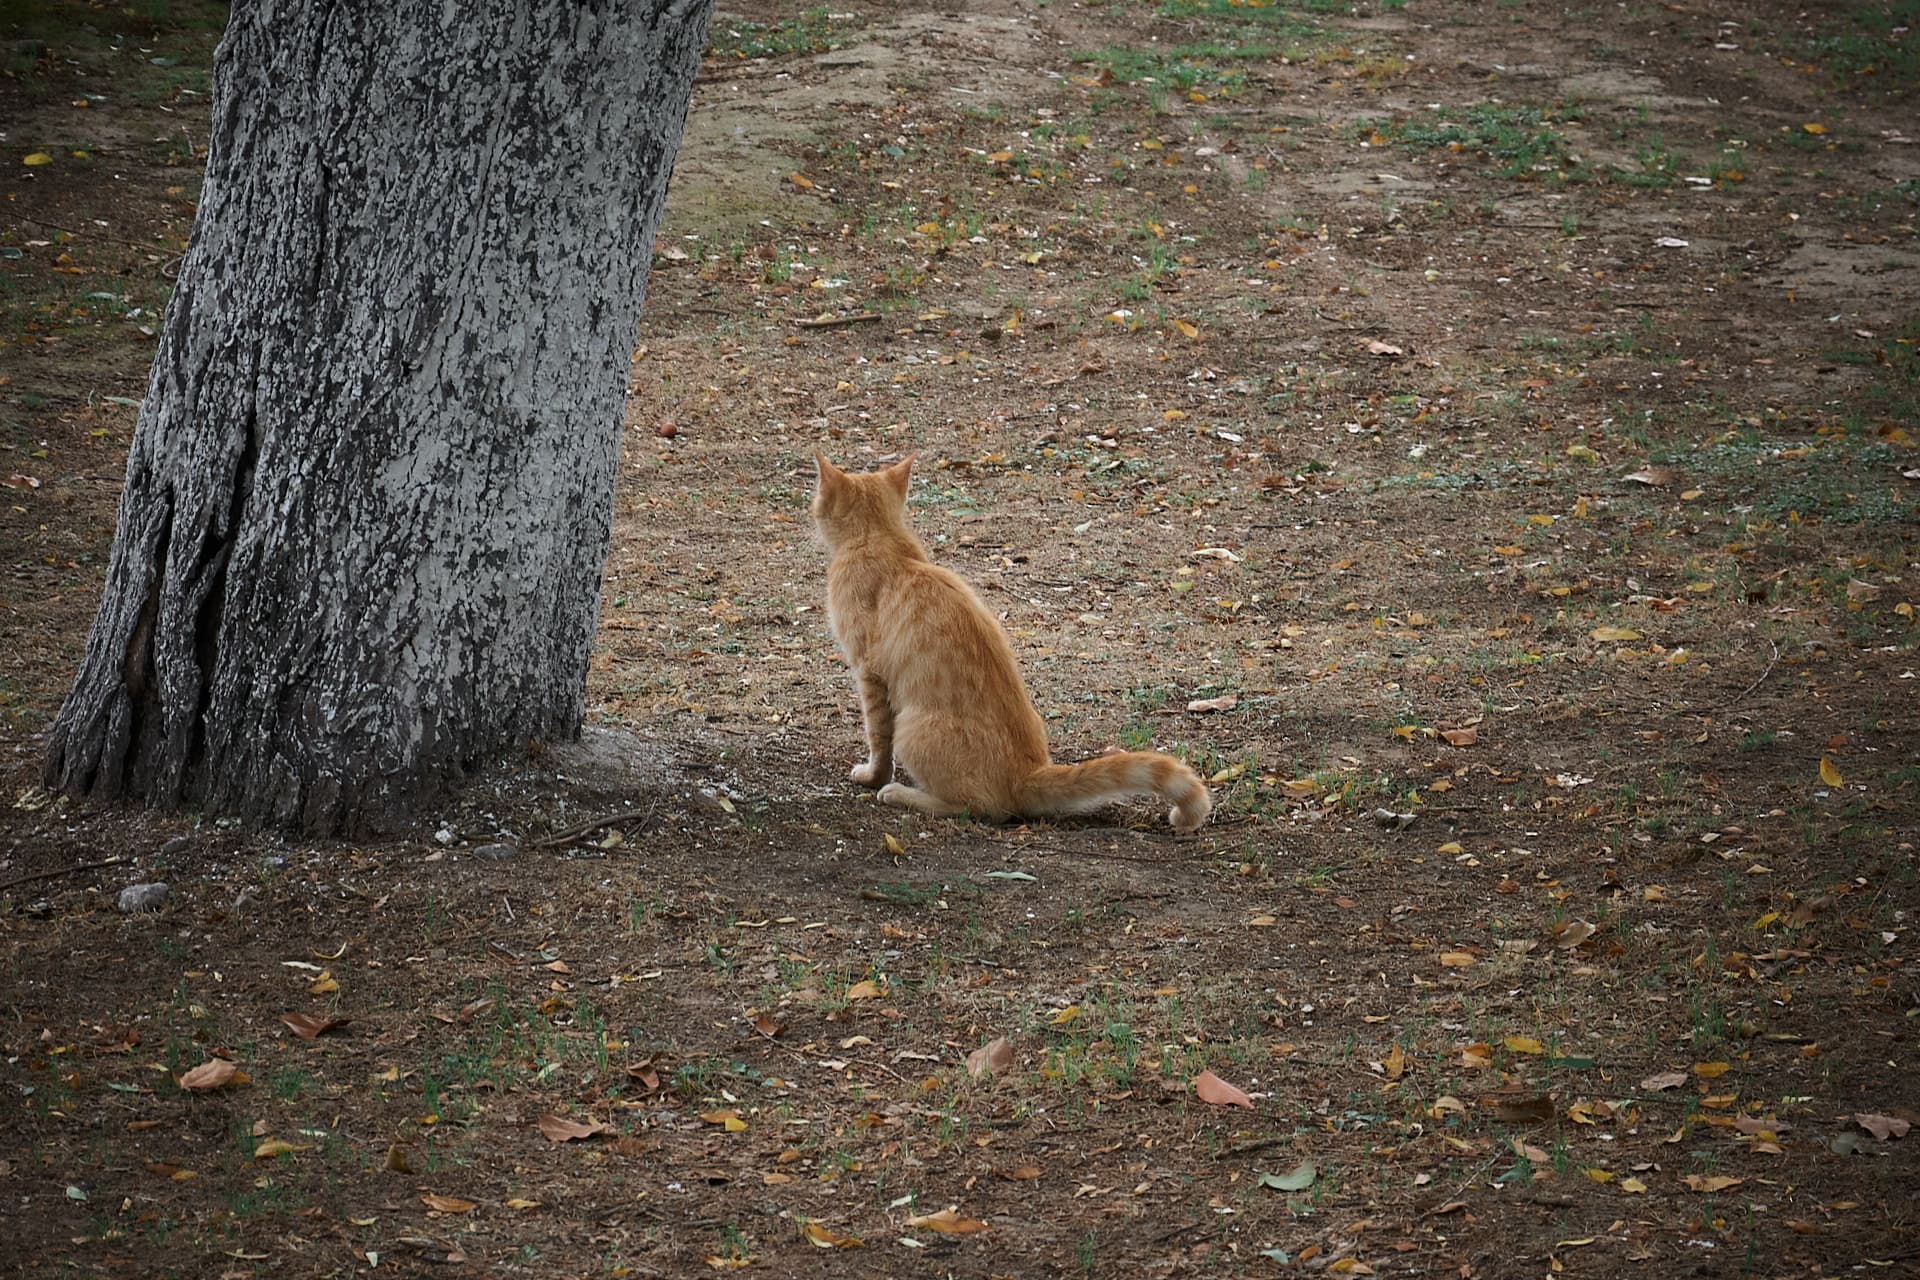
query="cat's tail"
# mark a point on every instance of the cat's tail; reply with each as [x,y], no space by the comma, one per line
[1078,788]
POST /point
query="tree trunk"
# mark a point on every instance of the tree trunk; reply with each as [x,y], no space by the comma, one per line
[370,491]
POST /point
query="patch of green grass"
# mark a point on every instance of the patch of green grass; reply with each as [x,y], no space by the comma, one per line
[1187,67]
[808,32]
[1525,142]
[1268,15]
[1870,46]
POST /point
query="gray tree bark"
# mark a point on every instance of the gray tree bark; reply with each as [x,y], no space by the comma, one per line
[369,496]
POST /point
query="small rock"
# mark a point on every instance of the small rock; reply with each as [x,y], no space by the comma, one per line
[142,897]
[444,836]
[273,862]
[173,846]
[496,852]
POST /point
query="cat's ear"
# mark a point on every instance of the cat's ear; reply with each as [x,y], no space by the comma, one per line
[825,471]
[900,475]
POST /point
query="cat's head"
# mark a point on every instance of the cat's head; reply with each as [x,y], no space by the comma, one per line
[848,503]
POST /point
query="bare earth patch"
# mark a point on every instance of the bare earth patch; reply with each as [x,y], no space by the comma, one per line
[1500,417]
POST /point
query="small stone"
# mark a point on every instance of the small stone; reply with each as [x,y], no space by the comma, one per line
[496,852]
[176,845]
[142,897]
[444,836]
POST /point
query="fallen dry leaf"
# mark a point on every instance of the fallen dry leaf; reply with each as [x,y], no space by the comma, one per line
[558,1129]
[1830,774]
[1572,933]
[274,1148]
[210,1074]
[1226,702]
[447,1204]
[948,1221]
[866,989]
[1461,737]
[1882,1127]
[309,1025]
[1211,1088]
[995,1055]
[1658,477]
[729,1120]
[1711,1182]
[1613,635]
[1665,1080]
[827,1239]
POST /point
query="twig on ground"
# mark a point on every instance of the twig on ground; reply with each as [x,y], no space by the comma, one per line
[63,871]
[1761,679]
[587,828]
[829,322]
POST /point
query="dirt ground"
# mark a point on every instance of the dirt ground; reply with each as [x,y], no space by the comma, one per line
[1500,415]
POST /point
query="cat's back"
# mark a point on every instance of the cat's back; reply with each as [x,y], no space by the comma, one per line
[913,615]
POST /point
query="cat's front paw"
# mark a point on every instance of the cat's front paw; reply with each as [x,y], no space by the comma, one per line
[866,775]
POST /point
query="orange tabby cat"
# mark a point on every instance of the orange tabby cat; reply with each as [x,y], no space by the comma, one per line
[938,682]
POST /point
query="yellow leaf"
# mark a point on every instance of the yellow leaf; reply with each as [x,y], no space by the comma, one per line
[1263,922]
[1633,1186]
[729,1120]
[518,1203]
[1829,774]
[947,1221]
[866,989]
[1711,1182]
[801,181]
[1188,328]
[1506,551]
[820,1237]
[273,1148]
[1457,959]
[1000,157]
[1598,1175]
[1613,635]
[1061,1017]
[1524,1044]
[1582,452]
[324,985]
[1450,848]
[37,158]
[728,1264]
[1815,129]
[1174,415]
[894,847]
[1711,1070]
[447,1204]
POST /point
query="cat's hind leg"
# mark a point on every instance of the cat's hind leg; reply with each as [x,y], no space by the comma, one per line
[906,797]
